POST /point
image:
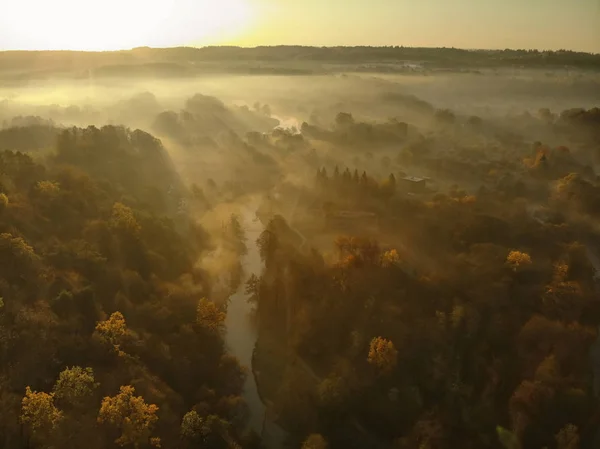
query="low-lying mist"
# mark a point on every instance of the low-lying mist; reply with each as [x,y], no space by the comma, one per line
[395,236]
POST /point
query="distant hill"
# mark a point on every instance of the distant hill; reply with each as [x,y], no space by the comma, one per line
[189,61]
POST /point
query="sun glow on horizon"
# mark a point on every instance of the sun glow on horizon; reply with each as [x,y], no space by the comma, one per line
[121,24]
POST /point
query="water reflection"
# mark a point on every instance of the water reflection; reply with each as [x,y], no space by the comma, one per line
[242,333]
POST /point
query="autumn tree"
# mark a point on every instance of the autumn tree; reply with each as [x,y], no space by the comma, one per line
[518,259]
[315,441]
[209,316]
[390,258]
[112,330]
[383,355]
[18,259]
[48,189]
[130,414]
[39,413]
[3,201]
[123,219]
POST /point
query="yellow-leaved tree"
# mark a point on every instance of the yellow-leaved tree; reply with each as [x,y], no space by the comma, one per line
[517,259]
[209,316]
[315,441]
[383,355]
[112,330]
[131,415]
[123,218]
[39,414]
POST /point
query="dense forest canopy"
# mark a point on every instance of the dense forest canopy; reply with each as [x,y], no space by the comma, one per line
[190,61]
[352,261]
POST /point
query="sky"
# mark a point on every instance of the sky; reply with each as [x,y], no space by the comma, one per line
[123,24]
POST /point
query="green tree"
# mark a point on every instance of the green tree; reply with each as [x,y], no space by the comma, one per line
[130,414]
[192,425]
[74,385]
[344,119]
[237,235]
[210,432]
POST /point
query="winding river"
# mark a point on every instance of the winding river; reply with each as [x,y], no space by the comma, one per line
[242,333]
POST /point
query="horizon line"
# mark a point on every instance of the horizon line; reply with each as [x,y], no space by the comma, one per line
[242,47]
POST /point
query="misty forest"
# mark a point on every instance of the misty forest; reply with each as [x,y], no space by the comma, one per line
[300,248]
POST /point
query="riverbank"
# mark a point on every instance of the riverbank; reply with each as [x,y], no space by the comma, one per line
[269,360]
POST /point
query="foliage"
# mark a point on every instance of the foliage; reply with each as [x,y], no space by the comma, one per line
[315,441]
[123,218]
[39,412]
[74,384]
[382,354]
[568,437]
[191,425]
[209,316]
[113,329]
[130,414]
[517,259]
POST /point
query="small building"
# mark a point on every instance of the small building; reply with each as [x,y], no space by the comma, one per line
[413,184]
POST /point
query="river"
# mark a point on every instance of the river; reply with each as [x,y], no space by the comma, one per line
[242,333]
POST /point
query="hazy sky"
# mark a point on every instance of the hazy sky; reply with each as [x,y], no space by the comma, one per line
[113,24]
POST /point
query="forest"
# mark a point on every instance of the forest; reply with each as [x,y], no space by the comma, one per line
[273,262]
[20,66]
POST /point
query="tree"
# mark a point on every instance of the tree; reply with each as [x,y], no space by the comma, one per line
[517,259]
[383,355]
[74,385]
[344,119]
[332,392]
[130,414]
[112,330]
[507,438]
[336,173]
[39,413]
[209,316]
[568,437]
[315,441]
[445,116]
[211,431]
[48,189]
[123,219]
[237,235]
[268,244]
[390,258]
[191,425]
[526,403]
[18,259]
